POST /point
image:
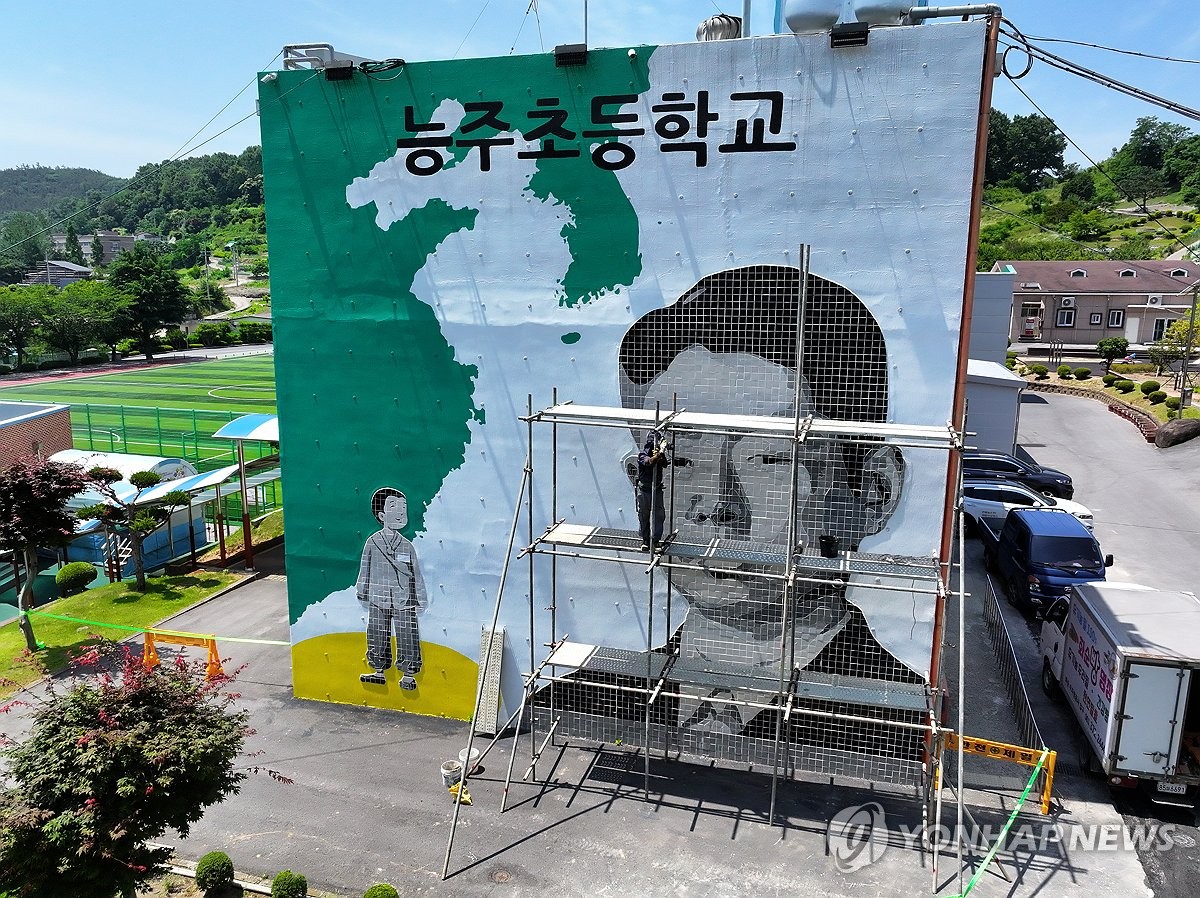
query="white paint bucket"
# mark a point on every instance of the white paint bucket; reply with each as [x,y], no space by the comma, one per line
[451,773]
[473,767]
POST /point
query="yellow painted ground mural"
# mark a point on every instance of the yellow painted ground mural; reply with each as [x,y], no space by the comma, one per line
[328,667]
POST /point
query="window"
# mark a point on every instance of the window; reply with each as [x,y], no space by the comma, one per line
[1128,273]
[1116,317]
[1179,273]
[1031,310]
[1160,327]
[1066,318]
[1078,273]
[1096,318]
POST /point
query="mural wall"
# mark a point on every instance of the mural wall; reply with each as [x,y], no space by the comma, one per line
[451,238]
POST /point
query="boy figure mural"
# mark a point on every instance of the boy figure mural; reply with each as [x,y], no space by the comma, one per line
[392,592]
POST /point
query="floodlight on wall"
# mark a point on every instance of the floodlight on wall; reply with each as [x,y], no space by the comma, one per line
[849,34]
[339,70]
[570,55]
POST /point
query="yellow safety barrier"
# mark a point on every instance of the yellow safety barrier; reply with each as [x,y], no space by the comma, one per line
[1003,751]
[212,669]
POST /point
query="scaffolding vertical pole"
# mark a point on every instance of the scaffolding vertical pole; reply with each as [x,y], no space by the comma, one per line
[655,499]
[787,641]
[553,558]
[668,633]
[529,542]
[466,771]
[962,678]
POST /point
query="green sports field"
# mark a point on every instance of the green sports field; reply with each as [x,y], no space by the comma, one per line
[167,410]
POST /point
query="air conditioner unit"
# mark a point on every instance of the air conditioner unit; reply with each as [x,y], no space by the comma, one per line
[1068,302]
[1154,300]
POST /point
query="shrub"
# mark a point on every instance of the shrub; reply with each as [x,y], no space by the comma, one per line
[1039,371]
[287,884]
[1064,371]
[177,338]
[254,332]
[1150,386]
[214,871]
[27,366]
[5,369]
[212,333]
[46,366]
[1172,402]
[1156,397]
[1133,367]
[1125,386]
[383,890]
[1011,354]
[1082,373]
[1110,379]
[127,346]
[75,577]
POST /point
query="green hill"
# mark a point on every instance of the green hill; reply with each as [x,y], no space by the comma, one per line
[39,188]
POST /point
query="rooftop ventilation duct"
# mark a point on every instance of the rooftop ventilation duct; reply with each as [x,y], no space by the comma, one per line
[720,27]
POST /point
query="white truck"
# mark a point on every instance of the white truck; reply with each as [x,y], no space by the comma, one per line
[1126,659]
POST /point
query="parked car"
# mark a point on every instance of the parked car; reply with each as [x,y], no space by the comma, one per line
[992,500]
[1038,553]
[998,466]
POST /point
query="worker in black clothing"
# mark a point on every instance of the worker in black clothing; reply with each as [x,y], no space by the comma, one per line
[649,488]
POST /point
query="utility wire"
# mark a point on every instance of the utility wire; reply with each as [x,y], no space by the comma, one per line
[1063,40]
[482,10]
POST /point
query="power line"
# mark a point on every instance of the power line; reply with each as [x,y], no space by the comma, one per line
[1063,40]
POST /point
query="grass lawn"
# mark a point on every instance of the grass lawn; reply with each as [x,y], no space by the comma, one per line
[116,603]
[268,528]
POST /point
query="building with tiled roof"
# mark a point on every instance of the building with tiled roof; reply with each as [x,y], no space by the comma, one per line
[1084,302]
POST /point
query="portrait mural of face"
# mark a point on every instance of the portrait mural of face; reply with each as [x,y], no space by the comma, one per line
[729,346]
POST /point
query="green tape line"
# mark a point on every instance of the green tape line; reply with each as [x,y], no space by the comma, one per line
[96,623]
[1007,826]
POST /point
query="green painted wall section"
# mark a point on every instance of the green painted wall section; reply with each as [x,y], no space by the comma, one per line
[369,392]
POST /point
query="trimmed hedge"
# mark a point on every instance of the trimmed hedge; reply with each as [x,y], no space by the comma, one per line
[75,577]
[1125,386]
[382,890]
[1082,373]
[1173,402]
[1149,386]
[1039,371]
[214,871]
[1064,371]
[1156,397]
[287,884]
[1110,379]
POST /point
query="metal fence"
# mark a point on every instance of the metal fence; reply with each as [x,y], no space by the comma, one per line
[172,432]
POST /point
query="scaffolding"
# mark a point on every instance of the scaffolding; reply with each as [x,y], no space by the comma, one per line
[767,488]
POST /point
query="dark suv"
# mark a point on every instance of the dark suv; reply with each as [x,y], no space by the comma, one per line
[998,466]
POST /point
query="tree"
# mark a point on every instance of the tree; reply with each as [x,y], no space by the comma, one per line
[23,246]
[97,252]
[110,764]
[123,514]
[1022,150]
[1111,349]
[21,310]
[1140,184]
[157,297]
[1079,186]
[33,514]
[73,250]
[1175,340]
[82,314]
[1151,142]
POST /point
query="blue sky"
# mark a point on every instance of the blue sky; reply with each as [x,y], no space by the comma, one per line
[111,86]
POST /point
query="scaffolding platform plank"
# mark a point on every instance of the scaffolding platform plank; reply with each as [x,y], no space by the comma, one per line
[606,659]
[934,437]
[590,536]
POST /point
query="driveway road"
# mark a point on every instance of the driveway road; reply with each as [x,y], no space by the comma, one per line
[1146,501]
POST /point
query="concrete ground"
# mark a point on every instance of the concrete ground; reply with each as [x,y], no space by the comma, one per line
[366,803]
